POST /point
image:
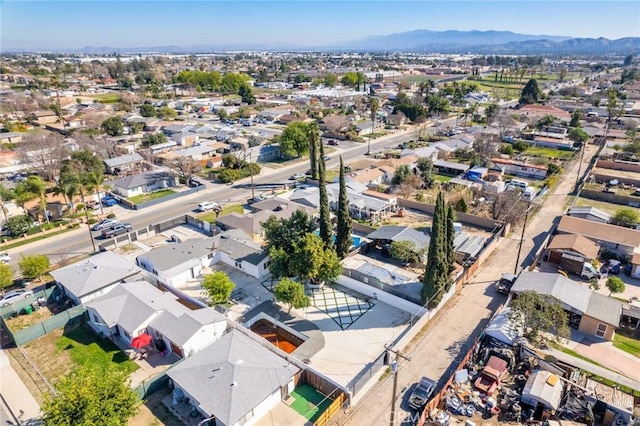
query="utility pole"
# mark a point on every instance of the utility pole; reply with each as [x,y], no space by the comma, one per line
[524,226]
[394,371]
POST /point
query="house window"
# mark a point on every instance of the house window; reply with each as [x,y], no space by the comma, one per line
[365,280]
[154,272]
[210,256]
[601,330]
[95,318]
[238,265]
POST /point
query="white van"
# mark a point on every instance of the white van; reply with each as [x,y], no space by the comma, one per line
[518,184]
[529,194]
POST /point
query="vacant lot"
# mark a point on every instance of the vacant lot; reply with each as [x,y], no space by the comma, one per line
[154,413]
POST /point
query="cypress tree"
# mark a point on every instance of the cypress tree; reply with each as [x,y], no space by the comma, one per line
[343,234]
[313,134]
[325,215]
[450,248]
[436,271]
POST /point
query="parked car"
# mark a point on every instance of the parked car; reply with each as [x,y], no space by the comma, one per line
[422,393]
[207,205]
[297,176]
[489,379]
[505,283]
[119,229]
[91,204]
[104,224]
[333,142]
[109,201]
[13,296]
[4,257]
[611,267]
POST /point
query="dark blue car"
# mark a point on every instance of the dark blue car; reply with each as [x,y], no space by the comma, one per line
[109,201]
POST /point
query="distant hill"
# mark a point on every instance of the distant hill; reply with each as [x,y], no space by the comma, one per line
[498,42]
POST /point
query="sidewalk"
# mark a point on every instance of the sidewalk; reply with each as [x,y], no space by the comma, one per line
[15,392]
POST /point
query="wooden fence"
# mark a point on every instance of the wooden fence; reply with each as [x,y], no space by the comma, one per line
[330,411]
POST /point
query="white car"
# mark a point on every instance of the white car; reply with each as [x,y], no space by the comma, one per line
[104,224]
[4,257]
[14,296]
[297,176]
[206,205]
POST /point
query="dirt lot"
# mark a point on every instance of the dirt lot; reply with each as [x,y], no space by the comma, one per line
[154,413]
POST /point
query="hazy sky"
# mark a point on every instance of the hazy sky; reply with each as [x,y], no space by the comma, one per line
[75,24]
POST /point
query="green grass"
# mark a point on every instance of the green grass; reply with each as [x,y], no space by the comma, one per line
[573,353]
[540,151]
[605,207]
[627,344]
[309,403]
[85,346]
[143,198]
[210,216]
[442,179]
[106,98]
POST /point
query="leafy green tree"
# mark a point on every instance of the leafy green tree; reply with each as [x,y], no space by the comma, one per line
[95,180]
[350,79]
[545,121]
[246,94]
[576,116]
[628,60]
[425,166]
[37,186]
[34,266]
[231,82]
[153,139]
[578,135]
[404,251]
[626,217]
[345,226]
[6,195]
[6,276]
[539,313]
[615,285]
[437,104]
[291,293]
[219,286]
[113,126]
[553,168]
[520,146]
[330,80]
[294,139]
[461,205]
[531,92]
[615,108]
[281,236]
[167,113]
[314,261]
[89,395]
[491,112]
[83,161]
[326,230]
[147,110]
[401,174]
[18,225]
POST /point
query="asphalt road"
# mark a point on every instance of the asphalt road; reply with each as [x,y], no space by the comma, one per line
[78,242]
[453,330]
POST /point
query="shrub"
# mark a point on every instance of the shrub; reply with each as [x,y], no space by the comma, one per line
[92,220]
[111,215]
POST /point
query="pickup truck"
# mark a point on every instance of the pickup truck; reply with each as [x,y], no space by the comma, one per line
[422,393]
[489,379]
[120,228]
[505,283]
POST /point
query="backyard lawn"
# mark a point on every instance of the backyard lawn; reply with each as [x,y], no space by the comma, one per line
[143,198]
[627,344]
[309,403]
[540,151]
[210,216]
[106,98]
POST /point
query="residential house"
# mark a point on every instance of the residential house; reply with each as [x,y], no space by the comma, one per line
[623,241]
[174,129]
[450,168]
[571,244]
[290,118]
[176,263]
[385,235]
[536,112]
[142,183]
[136,308]
[519,168]
[590,312]
[86,280]
[589,213]
[45,117]
[396,120]
[235,380]
[124,163]
[237,249]
[185,138]
[368,177]
[11,137]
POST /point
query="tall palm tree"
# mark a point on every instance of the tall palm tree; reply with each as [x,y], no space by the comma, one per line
[6,194]
[37,186]
[374,105]
[95,180]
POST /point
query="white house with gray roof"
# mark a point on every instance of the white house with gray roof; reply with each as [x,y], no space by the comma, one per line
[237,249]
[123,163]
[95,277]
[235,380]
[142,183]
[138,307]
[176,263]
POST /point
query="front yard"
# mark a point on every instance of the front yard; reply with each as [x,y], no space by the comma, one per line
[210,216]
[143,198]
[627,344]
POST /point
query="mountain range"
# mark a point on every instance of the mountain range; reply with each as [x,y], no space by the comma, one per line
[479,42]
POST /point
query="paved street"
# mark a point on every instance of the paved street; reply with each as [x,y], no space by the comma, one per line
[450,334]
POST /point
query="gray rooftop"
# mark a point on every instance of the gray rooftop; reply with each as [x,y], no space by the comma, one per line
[241,249]
[95,273]
[231,376]
[123,159]
[571,294]
[134,181]
[401,233]
[589,211]
[172,255]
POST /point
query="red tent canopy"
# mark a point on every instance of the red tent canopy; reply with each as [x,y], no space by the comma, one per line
[141,341]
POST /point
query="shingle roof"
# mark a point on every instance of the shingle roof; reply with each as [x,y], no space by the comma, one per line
[401,233]
[571,294]
[134,181]
[123,159]
[241,250]
[589,211]
[577,243]
[172,255]
[599,231]
[231,376]
[95,273]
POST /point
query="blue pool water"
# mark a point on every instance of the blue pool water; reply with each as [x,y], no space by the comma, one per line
[355,241]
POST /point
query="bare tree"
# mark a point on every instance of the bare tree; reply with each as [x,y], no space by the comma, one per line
[409,186]
[504,122]
[185,166]
[508,207]
[44,151]
[486,146]
[421,131]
